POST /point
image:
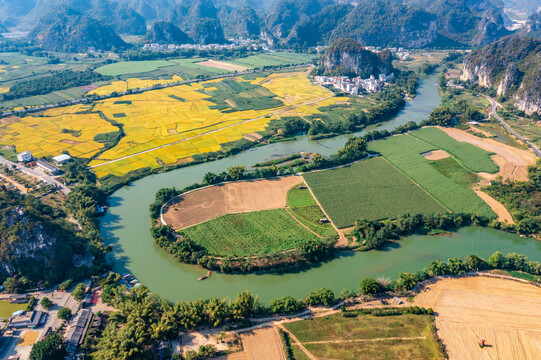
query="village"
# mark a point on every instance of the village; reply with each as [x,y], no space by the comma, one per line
[356,85]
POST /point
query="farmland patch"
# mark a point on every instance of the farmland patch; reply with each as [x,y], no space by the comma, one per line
[404,152]
[372,189]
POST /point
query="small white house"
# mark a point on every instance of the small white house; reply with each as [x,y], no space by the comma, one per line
[25,156]
[61,159]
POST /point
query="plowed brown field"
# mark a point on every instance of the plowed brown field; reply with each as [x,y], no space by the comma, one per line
[506,313]
[208,203]
[262,344]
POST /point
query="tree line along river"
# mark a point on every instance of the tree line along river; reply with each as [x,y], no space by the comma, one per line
[126,227]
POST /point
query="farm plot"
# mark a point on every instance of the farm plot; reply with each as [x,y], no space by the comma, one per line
[366,337]
[470,156]
[372,189]
[404,152]
[506,313]
[262,344]
[302,205]
[274,59]
[251,233]
[131,84]
[132,67]
[204,204]
[56,133]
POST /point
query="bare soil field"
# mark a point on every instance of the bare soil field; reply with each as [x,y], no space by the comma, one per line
[262,344]
[436,155]
[503,214]
[513,162]
[208,203]
[223,65]
[506,313]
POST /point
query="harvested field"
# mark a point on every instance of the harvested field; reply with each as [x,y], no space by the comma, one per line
[513,162]
[436,155]
[262,344]
[208,203]
[223,65]
[506,313]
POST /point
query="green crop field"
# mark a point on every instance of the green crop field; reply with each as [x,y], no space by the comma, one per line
[7,309]
[132,67]
[372,189]
[243,95]
[453,170]
[304,207]
[340,331]
[251,233]
[274,59]
[470,156]
[404,152]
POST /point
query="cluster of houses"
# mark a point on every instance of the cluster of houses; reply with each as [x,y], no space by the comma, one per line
[233,44]
[27,158]
[353,85]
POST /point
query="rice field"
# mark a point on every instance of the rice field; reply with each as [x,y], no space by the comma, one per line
[404,152]
[274,59]
[372,189]
[132,84]
[189,120]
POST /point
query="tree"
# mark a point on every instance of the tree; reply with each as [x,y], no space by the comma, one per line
[407,281]
[191,355]
[217,310]
[369,286]
[285,305]
[243,306]
[50,348]
[322,296]
[206,351]
[79,291]
[441,116]
[236,172]
[46,303]
[496,260]
[65,285]
[64,313]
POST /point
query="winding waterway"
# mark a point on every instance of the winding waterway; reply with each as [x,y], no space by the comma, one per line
[126,227]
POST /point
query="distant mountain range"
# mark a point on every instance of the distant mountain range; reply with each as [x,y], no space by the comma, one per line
[287,23]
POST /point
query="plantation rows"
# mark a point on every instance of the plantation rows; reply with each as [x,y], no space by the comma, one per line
[251,233]
[404,152]
[371,189]
[470,156]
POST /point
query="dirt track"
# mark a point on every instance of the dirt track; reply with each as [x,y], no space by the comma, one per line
[506,313]
[513,162]
[206,204]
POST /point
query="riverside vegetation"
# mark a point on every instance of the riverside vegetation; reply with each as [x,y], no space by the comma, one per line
[145,318]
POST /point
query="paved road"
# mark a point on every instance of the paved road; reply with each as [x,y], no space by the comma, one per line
[495,106]
[39,174]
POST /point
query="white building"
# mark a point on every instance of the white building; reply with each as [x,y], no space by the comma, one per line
[25,156]
[61,159]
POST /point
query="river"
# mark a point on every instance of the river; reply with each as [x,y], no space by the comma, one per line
[126,227]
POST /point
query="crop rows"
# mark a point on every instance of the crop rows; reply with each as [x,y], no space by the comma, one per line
[371,189]
[404,151]
[470,156]
[251,233]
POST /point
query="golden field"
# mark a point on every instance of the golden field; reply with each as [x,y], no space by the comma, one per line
[182,118]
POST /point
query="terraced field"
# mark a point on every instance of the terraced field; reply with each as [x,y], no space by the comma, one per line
[404,152]
[372,189]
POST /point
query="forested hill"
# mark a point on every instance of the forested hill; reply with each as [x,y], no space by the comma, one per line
[289,23]
[512,66]
[36,242]
[66,29]
[475,22]
[348,57]
[163,32]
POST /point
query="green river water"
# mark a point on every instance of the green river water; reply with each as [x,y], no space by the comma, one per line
[126,227]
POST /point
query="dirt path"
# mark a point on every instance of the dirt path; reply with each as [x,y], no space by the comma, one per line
[298,343]
[506,313]
[503,214]
[304,226]
[513,162]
